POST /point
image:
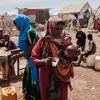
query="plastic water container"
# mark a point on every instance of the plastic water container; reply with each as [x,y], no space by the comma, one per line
[9,93]
[90,61]
[97,63]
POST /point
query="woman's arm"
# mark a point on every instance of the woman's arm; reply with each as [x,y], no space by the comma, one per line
[36,54]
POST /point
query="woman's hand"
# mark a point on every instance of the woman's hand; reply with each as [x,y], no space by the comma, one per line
[48,61]
[45,61]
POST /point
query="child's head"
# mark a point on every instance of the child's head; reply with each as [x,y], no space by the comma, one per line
[89,36]
[71,51]
[6,37]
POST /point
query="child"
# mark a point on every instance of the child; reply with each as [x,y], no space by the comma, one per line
[65,61]
[10,45]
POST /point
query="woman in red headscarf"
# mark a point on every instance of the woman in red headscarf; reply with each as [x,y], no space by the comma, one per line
[43,54]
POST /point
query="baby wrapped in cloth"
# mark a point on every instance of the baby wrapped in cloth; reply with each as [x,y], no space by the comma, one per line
[64,68]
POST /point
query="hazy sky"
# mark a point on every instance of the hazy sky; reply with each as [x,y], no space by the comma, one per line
[10,5]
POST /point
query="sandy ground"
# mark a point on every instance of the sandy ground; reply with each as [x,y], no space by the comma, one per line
[86,83]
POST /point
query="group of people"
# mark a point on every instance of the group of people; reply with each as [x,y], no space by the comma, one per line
[6,44]
[42,80]
[81,43]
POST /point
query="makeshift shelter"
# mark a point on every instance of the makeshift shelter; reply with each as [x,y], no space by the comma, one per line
[70,21]
[97,19]
[80,11]
[97,12]
[36,15]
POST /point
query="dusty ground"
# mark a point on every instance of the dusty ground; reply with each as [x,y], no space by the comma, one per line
[86,82]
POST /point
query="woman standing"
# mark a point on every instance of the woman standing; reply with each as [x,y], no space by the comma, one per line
[44,52]
[27,39]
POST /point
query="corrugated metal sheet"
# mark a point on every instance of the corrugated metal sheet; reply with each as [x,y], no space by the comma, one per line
[31,11]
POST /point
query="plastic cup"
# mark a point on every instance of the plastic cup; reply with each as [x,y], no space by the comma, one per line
[55,61]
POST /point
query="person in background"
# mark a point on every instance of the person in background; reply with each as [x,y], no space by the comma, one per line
[10,45]
[4,64]
[26,40]
[91,50]
[81,39]
[1,39]
[44,52]
[3,58]
[41,30]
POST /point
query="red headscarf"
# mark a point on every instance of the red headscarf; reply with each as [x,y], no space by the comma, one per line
[52,22]
[65,37]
